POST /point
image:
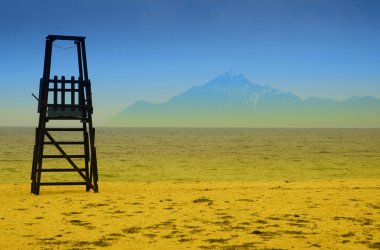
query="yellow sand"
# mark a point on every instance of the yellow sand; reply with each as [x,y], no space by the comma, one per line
[334,214]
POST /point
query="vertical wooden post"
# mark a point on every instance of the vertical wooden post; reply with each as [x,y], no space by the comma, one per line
[86,153]
[44,90]
[63,93]
[55,93]
[80,65]
[72,92]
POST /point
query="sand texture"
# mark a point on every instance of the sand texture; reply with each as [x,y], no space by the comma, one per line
[199,188]
[341,214]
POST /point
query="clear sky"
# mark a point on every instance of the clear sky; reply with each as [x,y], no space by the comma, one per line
[155,49]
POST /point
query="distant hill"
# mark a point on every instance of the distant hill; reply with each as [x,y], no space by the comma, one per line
[232,100]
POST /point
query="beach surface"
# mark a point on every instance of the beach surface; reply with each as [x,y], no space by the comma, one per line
[333,214]
[198,188]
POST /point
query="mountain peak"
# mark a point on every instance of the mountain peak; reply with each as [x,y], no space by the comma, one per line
[238,85]
[230,78]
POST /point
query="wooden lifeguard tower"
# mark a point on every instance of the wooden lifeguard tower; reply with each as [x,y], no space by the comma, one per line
[65,99]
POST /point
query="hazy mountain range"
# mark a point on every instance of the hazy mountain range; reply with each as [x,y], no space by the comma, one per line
[232,100]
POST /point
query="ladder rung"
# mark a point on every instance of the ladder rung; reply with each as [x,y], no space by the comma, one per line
[62,183]
[66,142]
[61,156]
[64,129]
[60,170]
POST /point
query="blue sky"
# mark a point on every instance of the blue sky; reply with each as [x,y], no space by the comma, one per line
[155,49]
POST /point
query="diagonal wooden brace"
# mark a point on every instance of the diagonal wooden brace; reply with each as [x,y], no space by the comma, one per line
[87,180]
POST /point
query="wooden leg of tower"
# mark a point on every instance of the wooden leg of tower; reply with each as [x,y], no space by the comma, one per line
[34,163]
[94,165]
[38,179]
[95,162]
[86,153]
[33,175]
[40,149]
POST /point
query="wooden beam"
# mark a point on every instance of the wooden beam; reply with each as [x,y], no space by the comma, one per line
[69,38]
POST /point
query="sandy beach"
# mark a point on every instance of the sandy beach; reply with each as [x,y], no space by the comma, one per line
[200,189]
[340,214]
